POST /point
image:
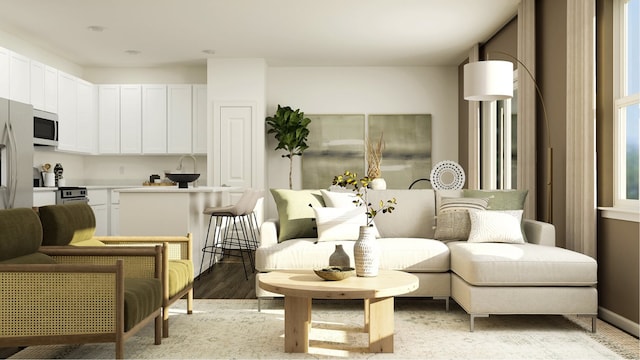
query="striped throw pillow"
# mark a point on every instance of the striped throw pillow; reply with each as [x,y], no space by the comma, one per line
[452,221]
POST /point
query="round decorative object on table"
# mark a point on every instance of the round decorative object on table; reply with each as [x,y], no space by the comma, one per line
[447,175]
[335,273]
[339,258]
[378,184]
[366,251]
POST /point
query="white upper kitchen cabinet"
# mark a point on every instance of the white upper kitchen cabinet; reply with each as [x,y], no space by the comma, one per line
[154,119]
[87,135]
[179,121]
[67,112]
[199,117]
[50,89]
[44,87]
[19,78]
[37,85]
[109,119]
[130,119]
[5,54]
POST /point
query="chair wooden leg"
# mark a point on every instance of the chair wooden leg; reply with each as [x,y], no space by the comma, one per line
[165,322]
[190,301]
[120,348]
[158,328]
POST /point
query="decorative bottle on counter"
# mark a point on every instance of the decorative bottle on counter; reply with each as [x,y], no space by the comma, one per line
[57,170]
[339,258]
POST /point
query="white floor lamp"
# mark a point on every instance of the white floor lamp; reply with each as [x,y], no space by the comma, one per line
[492,80]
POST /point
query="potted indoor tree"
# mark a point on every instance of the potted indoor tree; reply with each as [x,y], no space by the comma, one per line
[290,129]
[365,250]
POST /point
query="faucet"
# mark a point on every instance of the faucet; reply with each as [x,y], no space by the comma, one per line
[195,171]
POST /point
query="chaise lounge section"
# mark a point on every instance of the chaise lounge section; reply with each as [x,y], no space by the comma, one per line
[485,278]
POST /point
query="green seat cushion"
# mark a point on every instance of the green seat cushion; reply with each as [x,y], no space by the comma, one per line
[180,275]
[20,233]
[90,242]
[141,298]
[67,224]
[35,258]
[295,212]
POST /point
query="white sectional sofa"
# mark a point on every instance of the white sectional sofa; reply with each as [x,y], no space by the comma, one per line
[484,278]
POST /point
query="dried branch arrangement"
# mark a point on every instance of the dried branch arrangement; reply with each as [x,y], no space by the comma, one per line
[374,157]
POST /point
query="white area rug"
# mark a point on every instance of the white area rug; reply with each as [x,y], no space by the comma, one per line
[234,329]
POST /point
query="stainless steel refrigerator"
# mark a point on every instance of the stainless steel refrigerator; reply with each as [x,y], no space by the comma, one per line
[16,154]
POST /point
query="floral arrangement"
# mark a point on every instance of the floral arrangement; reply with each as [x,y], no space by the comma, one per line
[360,186]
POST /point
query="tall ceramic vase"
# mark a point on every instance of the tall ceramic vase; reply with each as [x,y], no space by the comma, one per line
[366,251]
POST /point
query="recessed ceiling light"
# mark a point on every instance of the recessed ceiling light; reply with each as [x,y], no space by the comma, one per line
[209,51]
[95,28]
[132,52]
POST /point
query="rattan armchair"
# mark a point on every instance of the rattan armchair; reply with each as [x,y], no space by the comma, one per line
[71,296]
[74,224]
[177,268]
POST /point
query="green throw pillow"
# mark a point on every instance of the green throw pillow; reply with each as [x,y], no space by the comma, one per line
[295,212]
[500,199]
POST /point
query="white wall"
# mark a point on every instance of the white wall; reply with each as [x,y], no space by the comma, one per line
[237,80]
[134,170]
[115,170]
[154,75]
[22,47]
[363,90]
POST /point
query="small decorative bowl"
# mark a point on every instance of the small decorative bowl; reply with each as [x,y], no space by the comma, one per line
[333,273]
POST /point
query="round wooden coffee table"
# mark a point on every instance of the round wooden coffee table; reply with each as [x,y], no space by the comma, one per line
[300,286]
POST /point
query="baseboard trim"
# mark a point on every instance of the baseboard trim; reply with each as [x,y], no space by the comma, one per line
[619,321]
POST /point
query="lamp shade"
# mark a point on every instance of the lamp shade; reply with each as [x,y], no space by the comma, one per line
[488,80]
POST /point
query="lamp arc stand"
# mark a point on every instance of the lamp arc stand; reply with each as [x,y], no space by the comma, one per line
[549,148]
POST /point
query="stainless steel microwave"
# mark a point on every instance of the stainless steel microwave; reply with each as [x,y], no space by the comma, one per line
[45,128]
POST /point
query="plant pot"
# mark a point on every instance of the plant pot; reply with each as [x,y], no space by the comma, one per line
[366,251]
[378,184]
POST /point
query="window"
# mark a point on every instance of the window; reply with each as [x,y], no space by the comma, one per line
[627,103]
[498,142]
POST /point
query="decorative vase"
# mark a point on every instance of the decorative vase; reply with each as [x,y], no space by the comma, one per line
[339,258]
[378,184]
[366,251]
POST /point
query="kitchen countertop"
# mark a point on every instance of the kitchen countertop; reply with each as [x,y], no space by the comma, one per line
[89,187]
[44,189]
[175,189]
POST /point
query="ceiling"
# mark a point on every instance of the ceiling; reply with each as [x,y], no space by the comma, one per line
[283,32]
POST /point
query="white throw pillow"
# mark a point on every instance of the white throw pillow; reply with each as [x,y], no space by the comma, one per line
[496,226]
[340,223]
[339,199]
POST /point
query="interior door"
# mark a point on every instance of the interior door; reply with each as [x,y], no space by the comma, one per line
[236,145]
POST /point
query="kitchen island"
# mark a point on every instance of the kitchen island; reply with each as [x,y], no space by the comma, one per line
[169,210]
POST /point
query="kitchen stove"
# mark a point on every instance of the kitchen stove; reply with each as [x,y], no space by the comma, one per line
[69,194]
